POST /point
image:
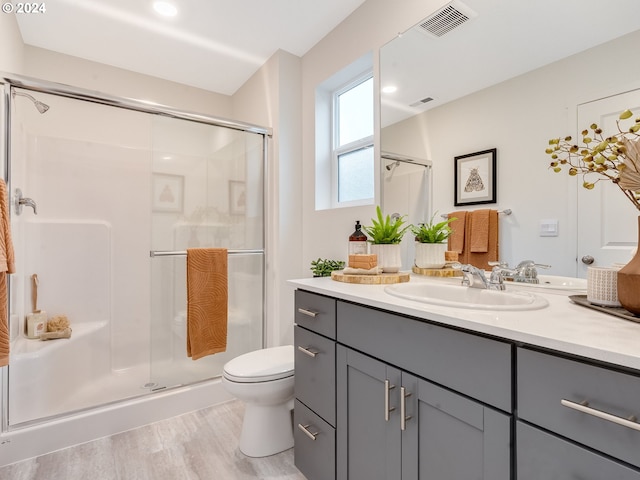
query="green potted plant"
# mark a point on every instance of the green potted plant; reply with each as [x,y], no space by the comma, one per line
[324,267]
[385,235]
[430,242]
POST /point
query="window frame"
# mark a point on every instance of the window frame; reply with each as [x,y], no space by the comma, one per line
[359,144]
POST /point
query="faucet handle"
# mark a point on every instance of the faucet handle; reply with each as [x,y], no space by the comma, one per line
[531,263]
[498,264]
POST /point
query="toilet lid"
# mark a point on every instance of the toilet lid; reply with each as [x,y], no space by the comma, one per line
[261,365]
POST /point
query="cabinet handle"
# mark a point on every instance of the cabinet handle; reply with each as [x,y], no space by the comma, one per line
[306,351]
[308,313]
[305,429]
[403,408]
[584,407]
[387,409]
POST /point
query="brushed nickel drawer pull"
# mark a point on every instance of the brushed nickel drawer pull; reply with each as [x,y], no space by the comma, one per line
[585,408]
[308,313]
[306,351]
[305,429]
[403,408]
[387,409]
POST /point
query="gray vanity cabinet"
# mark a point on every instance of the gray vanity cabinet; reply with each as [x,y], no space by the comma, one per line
[369,435]
[315,405]
[387,396]
[398,426]
[541,455]
[394,422]
[577,419]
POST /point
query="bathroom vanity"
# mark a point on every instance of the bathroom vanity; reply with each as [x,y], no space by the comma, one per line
[388,388]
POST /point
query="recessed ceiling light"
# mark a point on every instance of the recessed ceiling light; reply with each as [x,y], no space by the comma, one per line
[165,9]
[389,89]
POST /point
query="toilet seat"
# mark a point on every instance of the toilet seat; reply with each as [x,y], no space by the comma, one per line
[261,365]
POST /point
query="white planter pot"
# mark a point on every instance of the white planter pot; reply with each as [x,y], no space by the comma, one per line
[389,256]
[430,255]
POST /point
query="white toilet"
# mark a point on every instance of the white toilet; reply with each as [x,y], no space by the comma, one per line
[263,380]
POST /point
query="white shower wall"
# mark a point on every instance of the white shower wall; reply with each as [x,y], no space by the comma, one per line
[82,183]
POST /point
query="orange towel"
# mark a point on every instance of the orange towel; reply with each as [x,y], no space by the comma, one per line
[207,301]
[479,229]
[456,239]
[6,266]
[482,259]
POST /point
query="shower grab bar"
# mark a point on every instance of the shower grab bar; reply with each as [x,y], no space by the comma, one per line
[183,253]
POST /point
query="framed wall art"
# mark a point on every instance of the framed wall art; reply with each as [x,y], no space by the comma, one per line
[237,197]
[168,192]
[475,178]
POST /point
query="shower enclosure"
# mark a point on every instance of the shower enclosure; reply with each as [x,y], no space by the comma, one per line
[106,195]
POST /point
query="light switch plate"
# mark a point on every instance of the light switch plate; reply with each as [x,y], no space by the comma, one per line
[549,228]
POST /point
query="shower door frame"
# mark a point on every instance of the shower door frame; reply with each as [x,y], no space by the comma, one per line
[9,81]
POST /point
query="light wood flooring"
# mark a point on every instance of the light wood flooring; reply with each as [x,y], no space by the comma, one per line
[200,445]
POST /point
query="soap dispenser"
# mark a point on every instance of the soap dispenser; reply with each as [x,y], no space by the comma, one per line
[357,241]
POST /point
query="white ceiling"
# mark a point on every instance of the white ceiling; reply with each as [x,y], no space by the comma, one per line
[211,44]
[218,44]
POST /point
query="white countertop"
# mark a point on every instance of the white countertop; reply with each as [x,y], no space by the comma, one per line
[562,325]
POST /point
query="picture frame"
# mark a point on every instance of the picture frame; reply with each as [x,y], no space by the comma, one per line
[475,178]
[237,197]
[167,193]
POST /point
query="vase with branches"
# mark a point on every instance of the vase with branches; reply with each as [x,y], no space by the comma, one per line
[614,158]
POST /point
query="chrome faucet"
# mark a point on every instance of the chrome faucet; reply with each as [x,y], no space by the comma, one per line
[525,272]
[475,277]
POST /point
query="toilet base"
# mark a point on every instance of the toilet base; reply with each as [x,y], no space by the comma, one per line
[266,430]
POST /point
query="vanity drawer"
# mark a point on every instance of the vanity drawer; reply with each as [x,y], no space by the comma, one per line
[316,312]
[472,365]
[551,390]
[315,373]
[315,444]
[544,456]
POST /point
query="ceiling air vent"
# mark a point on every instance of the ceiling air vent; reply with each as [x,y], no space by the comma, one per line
[448,18]
[421,102]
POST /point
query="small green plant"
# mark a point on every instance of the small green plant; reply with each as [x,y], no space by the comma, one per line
[386,230]
[323,267]
[433,232]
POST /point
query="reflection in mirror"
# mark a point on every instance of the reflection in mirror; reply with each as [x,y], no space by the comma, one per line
[510,77]
[407,188]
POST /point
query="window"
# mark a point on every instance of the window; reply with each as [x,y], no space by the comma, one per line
[344,126]
[352,161]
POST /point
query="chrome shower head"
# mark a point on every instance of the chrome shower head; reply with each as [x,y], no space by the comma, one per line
[42,107]
[392,165]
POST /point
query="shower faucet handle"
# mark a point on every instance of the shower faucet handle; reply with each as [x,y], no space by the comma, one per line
[21,201]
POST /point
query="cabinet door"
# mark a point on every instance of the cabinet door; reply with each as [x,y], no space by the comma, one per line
[450,437]
[544,456]
[368,441]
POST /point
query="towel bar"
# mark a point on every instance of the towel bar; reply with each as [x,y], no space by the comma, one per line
[506,211]
[183,253]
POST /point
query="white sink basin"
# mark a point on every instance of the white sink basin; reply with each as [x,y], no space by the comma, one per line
[554,282]
[464,297]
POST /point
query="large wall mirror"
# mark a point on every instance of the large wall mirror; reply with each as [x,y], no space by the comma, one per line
[507,74]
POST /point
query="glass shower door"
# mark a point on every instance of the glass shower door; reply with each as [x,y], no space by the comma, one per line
[207,191]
